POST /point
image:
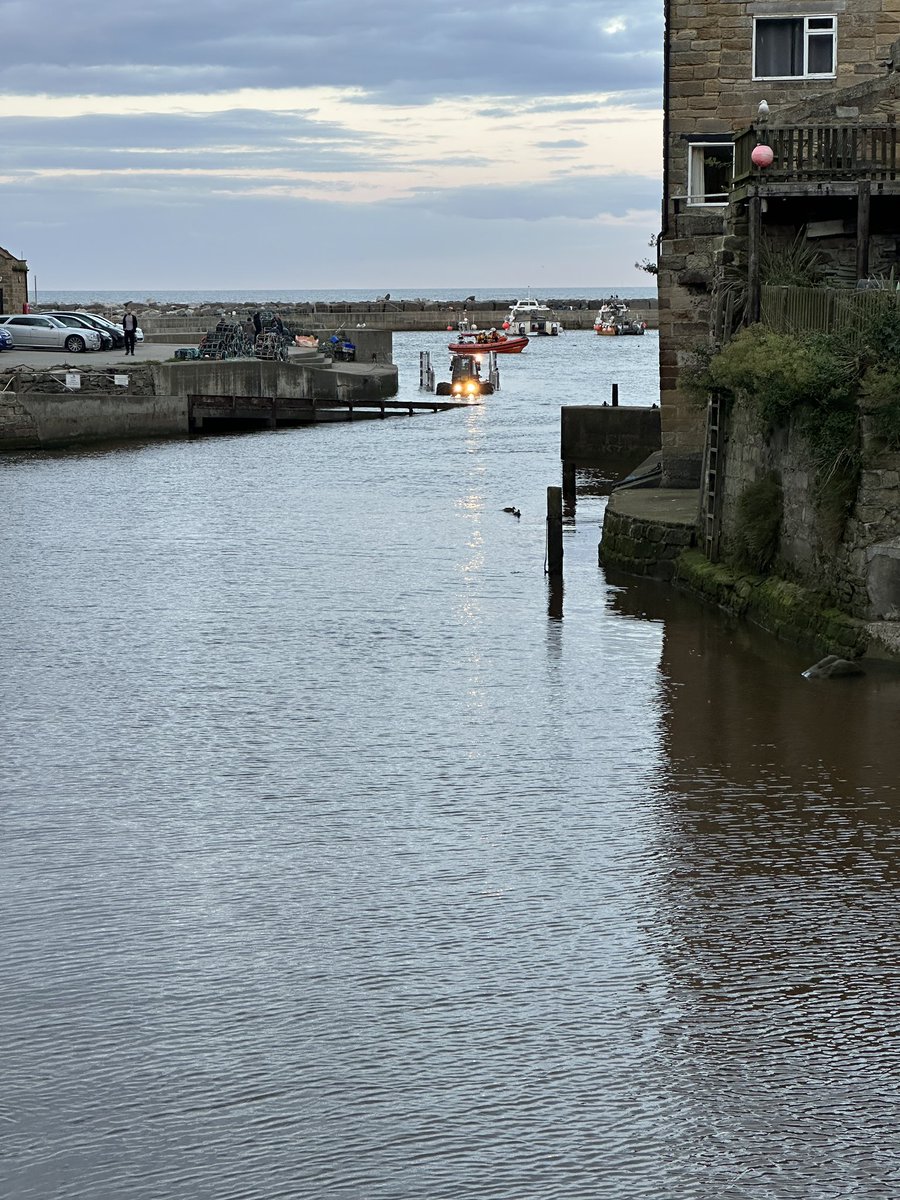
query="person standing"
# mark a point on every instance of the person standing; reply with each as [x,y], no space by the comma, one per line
[129,328]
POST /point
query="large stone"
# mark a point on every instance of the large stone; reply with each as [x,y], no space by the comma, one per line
[883,581]
[832,667]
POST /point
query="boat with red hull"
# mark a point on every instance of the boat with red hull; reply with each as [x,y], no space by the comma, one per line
[499,343]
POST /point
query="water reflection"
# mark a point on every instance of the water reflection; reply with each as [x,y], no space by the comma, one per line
[774,912]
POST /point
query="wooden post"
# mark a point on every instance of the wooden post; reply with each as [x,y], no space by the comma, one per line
[554,531]
[615,395]
[753,236]
[863,208]
[568,478]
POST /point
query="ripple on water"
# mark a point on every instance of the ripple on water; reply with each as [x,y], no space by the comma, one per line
[333,866]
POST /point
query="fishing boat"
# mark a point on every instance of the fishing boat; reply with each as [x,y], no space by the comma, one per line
[482,341]
[615,319]
[532,316]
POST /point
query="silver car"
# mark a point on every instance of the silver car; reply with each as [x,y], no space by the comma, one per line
[48,333]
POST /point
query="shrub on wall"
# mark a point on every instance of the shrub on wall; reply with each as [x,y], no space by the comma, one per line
[758,524]
[779,372]
[880,396]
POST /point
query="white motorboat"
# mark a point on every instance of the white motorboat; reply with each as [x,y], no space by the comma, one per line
[532,316]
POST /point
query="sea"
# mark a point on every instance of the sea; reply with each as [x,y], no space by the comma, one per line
[346,856]
[236,295]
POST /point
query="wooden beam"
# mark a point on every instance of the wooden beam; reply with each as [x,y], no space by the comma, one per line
[754,230]
[863,210]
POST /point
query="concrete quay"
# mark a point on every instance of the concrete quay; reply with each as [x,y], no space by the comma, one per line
[47,400]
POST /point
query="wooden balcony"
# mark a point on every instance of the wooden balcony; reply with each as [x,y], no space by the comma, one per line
[811,158]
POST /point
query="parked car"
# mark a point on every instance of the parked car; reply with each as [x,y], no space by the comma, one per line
[111,327]
[77,321]
[6,339]
[40,332]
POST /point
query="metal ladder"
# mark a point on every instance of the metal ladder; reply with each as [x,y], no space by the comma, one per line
[712,475]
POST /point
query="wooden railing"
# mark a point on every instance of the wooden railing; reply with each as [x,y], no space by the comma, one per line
[822,310]
[819,152]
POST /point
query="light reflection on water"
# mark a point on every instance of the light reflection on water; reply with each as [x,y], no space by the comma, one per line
[344,856]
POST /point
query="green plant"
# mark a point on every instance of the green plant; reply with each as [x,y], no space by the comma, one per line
[794,265]
[758,524]
[646,264]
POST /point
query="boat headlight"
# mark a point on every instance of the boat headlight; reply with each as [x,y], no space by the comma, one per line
[471,389]
[457,389]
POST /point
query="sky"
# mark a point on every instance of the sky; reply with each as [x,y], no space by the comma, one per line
[186,144]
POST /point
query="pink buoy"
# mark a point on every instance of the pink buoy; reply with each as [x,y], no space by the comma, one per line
[762,156]
[506,324]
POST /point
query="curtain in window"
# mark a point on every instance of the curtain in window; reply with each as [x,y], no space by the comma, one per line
[779,48]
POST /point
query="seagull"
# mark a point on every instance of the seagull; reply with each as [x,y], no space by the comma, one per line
[763,110]
[515,512]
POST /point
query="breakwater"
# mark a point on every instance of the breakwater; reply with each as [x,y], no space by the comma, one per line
[182,322]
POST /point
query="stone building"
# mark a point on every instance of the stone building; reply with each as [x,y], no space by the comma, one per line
[13,283]
[826,75]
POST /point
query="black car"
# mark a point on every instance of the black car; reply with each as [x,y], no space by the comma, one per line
[109,335]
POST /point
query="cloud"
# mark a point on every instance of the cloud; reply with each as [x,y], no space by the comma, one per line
[184,123]
[404,51]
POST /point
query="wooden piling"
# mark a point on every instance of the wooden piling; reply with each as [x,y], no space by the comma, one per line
[554,531]
[615,395]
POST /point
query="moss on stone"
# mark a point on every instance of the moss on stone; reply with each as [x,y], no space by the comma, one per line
[778,605]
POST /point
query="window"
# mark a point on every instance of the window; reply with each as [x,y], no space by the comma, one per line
[710,167]
[793,47]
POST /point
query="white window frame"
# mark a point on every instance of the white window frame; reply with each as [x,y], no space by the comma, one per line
[807,34]
[696,200]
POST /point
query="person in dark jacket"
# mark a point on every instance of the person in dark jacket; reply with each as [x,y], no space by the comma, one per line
[257,323]
[129,328]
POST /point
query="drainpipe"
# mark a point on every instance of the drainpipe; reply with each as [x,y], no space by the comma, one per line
[664,229]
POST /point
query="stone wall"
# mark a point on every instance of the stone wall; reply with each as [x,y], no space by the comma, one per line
[642,545]
[859,569]
[13,283]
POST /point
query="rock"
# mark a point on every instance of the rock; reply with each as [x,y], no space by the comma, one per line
[832,667]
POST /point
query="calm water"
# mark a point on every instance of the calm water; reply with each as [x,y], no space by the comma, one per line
[336,863]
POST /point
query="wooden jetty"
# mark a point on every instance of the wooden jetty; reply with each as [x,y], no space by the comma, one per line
[221,413]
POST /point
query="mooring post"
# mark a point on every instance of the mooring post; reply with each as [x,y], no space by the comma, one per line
[554,531]
[615,395]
